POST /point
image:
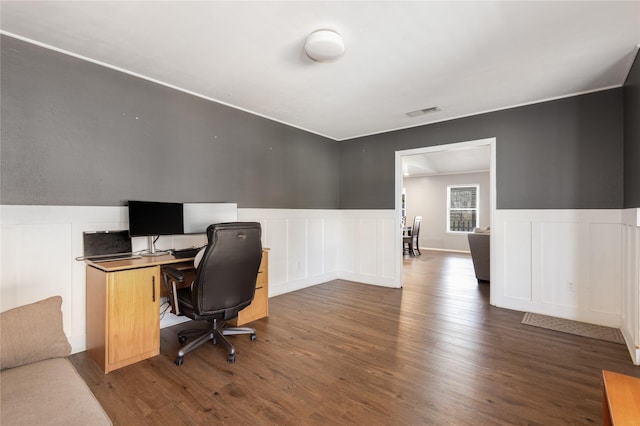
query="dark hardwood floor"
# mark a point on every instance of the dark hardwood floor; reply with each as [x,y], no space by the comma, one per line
[432,353]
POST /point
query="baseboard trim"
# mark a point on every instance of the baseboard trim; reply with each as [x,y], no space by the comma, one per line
[445,250]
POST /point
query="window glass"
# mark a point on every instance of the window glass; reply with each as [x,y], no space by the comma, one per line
[462,208]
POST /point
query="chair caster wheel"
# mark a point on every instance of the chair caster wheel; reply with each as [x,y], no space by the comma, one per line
[231,359]
[179,360]
[253,337]
[182,339]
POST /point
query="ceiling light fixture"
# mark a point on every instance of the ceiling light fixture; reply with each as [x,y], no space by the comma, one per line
[324,45]
[420,112]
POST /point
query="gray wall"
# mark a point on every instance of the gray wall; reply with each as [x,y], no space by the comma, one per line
[76,133]
[564,154]
[632,137]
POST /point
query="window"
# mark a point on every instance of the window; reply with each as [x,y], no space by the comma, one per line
[462,208]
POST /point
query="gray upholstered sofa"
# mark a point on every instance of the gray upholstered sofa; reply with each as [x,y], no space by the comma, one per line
[39,384]
[480,253]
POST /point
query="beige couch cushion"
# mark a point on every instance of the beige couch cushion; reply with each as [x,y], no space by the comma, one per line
[31,333]
[49,392]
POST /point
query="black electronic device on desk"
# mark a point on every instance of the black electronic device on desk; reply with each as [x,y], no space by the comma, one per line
[105,246]
[152,219]
[186,253]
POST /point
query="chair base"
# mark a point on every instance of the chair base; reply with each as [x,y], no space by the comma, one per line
[215,334]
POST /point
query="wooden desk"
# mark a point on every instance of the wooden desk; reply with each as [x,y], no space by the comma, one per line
[123,308]
[621,399]
[259,307]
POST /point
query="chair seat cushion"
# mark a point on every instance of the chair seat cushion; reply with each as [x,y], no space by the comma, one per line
[185,301]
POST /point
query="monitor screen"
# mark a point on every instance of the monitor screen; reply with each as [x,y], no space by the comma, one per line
[149,218]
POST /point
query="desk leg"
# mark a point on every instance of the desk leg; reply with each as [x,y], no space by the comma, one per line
[174,298]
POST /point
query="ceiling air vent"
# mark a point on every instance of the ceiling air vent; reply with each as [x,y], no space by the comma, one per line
[422,111]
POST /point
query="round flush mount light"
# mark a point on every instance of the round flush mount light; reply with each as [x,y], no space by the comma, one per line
[324,46]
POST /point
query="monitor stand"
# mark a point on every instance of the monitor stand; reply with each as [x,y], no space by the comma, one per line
[152,247]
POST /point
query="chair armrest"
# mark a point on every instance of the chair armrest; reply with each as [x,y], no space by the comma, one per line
[169,273]
[173,273]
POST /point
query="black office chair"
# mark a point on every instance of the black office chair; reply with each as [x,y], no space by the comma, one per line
[410,241]
[225,283]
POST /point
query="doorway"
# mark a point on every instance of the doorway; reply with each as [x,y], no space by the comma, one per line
[448,150]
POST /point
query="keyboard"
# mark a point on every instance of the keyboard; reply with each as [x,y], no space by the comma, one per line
[185,253]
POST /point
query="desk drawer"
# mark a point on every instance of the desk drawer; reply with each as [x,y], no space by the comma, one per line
[261,281]
[259,307]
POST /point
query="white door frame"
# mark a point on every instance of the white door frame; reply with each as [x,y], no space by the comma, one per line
[491,142]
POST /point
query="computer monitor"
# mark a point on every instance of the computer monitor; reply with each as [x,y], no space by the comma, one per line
[152,218]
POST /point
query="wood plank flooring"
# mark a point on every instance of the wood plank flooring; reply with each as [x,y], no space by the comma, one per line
[432,353]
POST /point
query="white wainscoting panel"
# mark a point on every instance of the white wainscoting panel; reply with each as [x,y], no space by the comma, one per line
[298,243]
[580,265]
[39,245]
[367,234]
[559,255]
[295,239]
[347,235]
[316,248]
[331,248]
[516,254]
[48,273]
[309,247]
[564,263]
[630,316]
[370,245]
[390,268]
[605,268]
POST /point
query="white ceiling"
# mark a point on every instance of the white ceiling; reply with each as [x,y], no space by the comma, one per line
[464,57]
[448,161]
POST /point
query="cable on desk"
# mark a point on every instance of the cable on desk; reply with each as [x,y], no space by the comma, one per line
[164,310]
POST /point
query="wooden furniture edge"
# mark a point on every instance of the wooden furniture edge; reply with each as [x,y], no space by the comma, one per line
[621,399]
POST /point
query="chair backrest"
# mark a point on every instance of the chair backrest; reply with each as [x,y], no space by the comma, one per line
[415,230]
[226,277]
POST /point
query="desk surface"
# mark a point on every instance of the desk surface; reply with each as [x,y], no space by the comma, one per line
[622,399]
[142,262]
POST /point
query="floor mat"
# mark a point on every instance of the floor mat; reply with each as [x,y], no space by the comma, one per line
[574,327]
